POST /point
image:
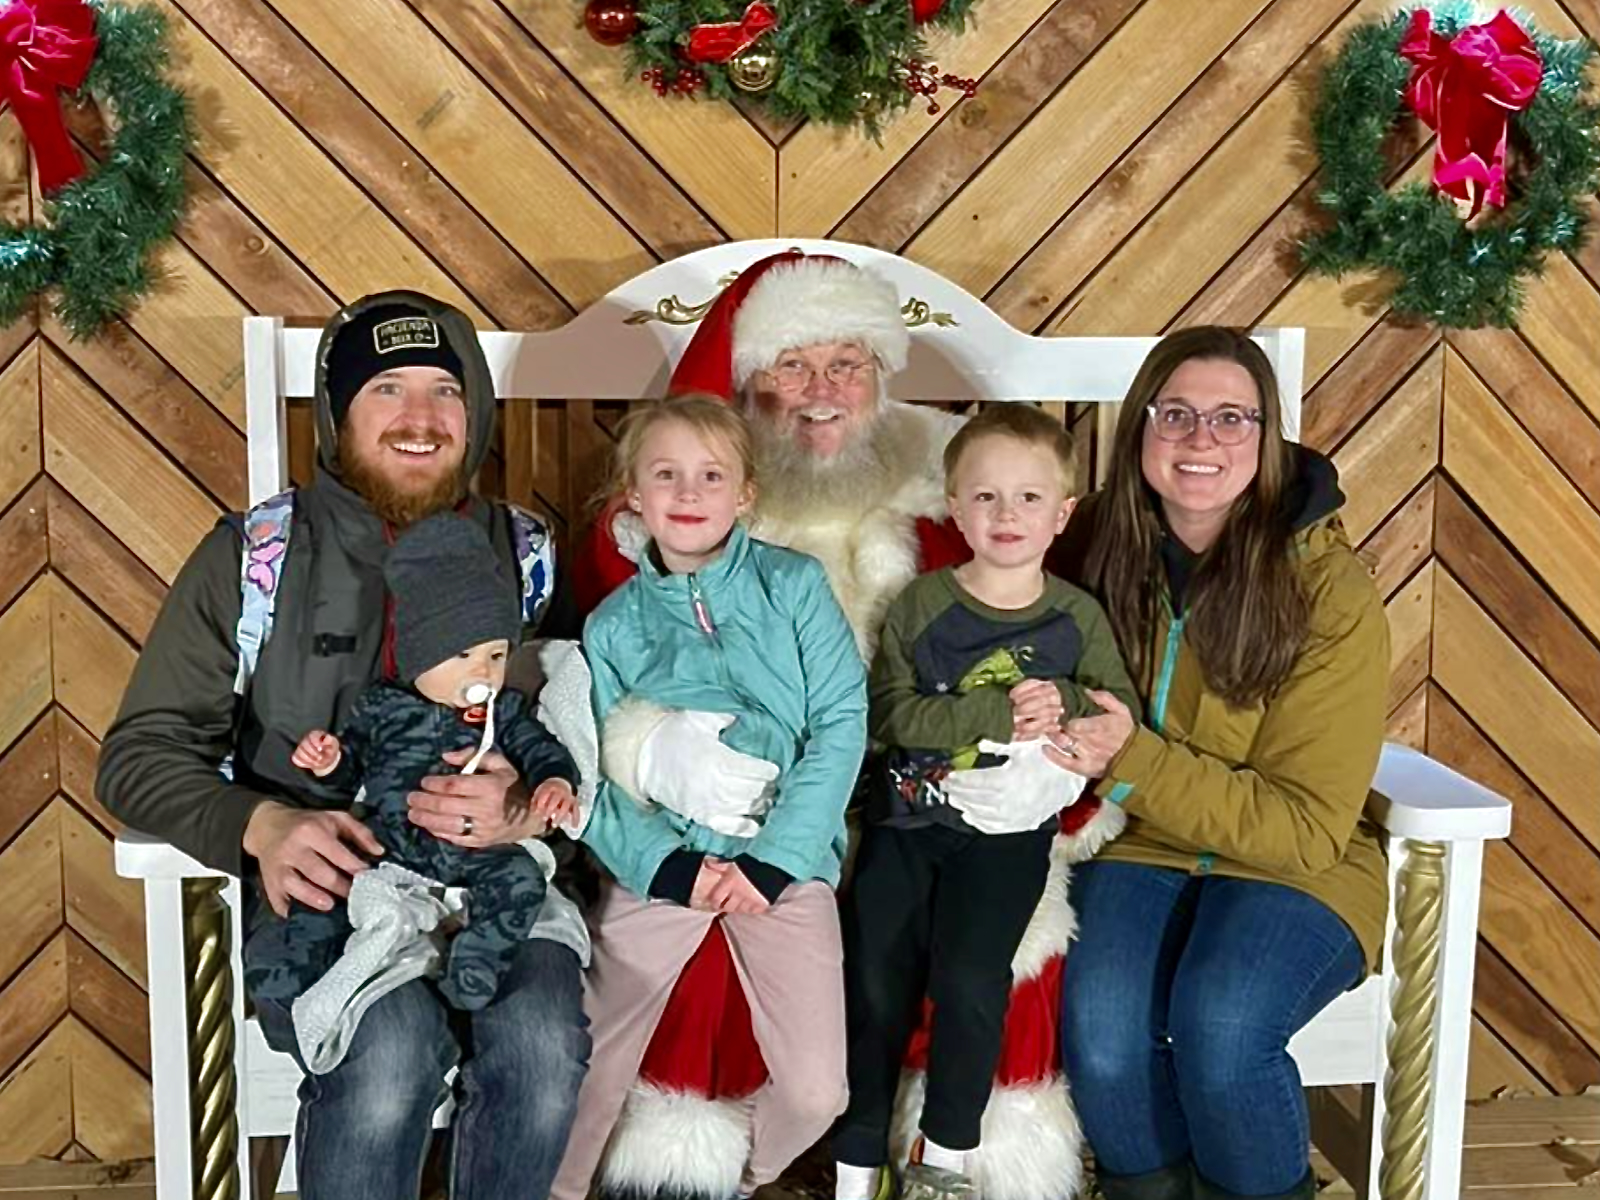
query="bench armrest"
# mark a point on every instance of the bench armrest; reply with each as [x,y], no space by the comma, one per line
[1416,797]
[140,856]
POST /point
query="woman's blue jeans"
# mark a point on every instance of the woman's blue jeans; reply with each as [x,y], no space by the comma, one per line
[1178,1002]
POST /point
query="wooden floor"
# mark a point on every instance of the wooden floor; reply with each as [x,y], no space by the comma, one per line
[1539,1148]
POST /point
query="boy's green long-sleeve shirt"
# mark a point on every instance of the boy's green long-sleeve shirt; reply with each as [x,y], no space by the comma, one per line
[942,678]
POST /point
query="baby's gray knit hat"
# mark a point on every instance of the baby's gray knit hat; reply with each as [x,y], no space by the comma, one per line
[449,593]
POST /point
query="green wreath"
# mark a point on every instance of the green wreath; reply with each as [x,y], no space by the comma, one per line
[845,62]
[1450,273]
[99,230]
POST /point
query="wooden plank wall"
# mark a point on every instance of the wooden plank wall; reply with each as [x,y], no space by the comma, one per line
[1128,166]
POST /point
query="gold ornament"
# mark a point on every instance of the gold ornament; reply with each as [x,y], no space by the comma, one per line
[754,70]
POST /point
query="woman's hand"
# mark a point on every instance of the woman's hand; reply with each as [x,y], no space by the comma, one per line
[1036,709]
[488,808]
[1088,744]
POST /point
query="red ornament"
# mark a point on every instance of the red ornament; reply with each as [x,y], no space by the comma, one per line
[611,22]
[925,10]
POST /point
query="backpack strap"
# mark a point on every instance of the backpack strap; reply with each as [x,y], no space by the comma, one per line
[266,543]
[536,562]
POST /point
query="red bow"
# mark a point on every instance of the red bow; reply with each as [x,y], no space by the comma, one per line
[1467,89]
[719,43]
[46,46]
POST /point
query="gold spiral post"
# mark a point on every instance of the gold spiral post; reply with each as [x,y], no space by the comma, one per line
[1408,1086]
[213,1088]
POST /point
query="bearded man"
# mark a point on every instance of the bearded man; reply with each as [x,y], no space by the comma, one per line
[808,344]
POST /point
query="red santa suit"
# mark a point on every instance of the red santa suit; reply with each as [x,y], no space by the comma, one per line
[683,1130]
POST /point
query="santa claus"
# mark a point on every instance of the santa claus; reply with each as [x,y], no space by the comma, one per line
[808,345]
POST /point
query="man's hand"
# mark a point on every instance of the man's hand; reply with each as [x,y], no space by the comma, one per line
[555,804]
[318,752]
[1036,709]
[1020,794]
[1088,744]
[489,808]
[684,766]
[305,854]
[734,893]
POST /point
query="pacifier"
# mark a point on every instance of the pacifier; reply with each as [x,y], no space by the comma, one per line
[479,696]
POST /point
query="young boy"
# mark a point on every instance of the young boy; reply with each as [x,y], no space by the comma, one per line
[976,664]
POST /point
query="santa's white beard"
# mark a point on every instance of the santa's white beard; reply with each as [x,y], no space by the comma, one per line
[792,479]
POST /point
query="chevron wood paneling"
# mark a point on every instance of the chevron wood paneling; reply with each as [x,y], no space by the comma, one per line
[1127,166]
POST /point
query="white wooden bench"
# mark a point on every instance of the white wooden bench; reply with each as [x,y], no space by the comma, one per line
[1404,1032]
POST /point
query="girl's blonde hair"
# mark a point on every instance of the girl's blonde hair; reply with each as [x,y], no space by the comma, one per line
[705,414]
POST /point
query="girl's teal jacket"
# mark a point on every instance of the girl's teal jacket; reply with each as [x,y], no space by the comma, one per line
[758,634]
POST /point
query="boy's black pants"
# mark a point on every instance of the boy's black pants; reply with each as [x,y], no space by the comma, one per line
[933,911]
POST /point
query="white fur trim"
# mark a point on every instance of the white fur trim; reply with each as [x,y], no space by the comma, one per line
[1107,823]
[628,531]
[1052,925]
[815,300]
[622,740]
[567,712]
[1031,1147]
[677,1142]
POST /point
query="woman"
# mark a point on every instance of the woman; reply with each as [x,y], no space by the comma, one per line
[1248,890]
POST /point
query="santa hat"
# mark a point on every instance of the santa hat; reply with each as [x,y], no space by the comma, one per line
[787,302]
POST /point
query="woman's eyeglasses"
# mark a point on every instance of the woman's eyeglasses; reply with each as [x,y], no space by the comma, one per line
[1175,422]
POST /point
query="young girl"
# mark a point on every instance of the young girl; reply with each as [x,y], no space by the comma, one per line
[719,627]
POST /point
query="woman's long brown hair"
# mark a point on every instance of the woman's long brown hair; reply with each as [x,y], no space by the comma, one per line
[1247,611]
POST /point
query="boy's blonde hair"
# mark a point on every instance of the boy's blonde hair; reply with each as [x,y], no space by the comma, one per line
[706,415]
[1020,421]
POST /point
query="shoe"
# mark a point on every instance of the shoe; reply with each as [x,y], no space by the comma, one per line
[922,1182]
[1306,1189]
[1169,1183]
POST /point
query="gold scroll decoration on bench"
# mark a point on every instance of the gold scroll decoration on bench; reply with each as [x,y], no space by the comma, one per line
[671,310]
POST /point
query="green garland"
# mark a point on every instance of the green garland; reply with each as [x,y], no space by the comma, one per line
[839,61]
[1449,273]
[100,229]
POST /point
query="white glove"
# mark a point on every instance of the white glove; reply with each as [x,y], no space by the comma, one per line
[684,766]
[1020,794]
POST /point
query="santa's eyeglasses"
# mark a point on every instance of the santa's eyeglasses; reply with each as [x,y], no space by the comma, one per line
[795,374]
[1176,422]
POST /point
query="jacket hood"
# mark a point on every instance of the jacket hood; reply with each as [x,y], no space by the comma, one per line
[478,385]
[1314,494]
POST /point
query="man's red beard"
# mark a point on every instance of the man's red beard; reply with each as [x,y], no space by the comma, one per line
[396,505]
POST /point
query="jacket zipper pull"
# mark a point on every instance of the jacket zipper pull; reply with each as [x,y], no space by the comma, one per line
[702,614]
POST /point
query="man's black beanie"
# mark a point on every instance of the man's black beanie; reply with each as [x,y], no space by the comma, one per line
[382,339]
[449,593]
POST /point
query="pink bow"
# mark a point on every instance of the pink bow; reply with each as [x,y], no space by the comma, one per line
[1467,88]
[46,47]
